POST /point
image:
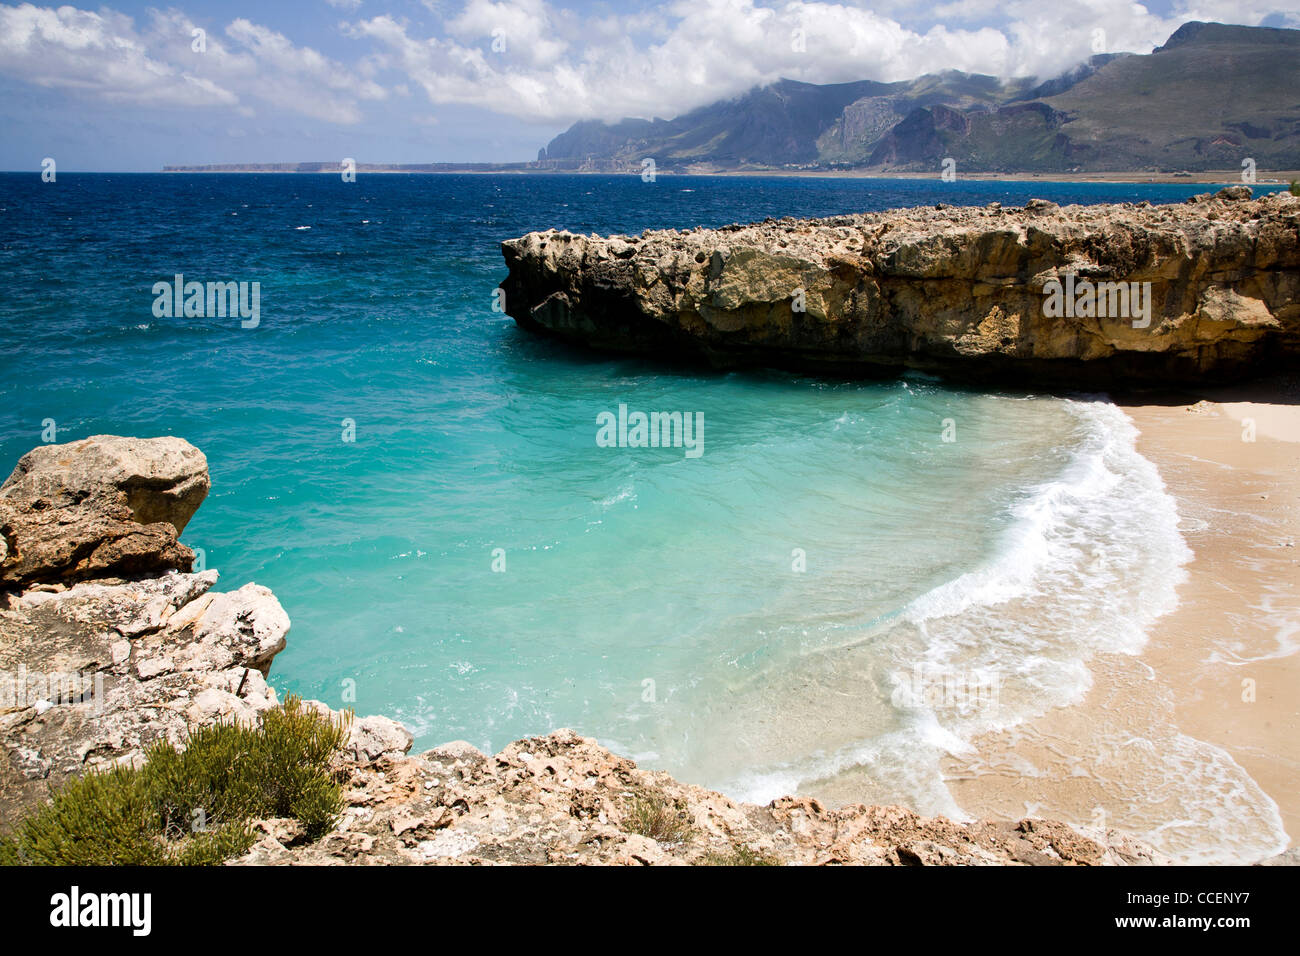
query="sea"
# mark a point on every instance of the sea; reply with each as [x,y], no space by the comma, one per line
[849,577]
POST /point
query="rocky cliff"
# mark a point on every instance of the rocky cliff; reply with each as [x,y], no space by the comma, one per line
[1153,294]
[108,642]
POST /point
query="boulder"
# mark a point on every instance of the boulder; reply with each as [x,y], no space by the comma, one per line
[375,737]
[102,507]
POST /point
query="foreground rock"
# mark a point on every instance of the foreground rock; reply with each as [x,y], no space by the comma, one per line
[94,671]
[961,291]
[92,674]
[564,799]
[107,643]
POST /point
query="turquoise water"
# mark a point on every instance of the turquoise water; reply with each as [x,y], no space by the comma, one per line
[740,618]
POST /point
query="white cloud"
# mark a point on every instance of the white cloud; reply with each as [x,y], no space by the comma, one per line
[522,29]
[701,51]
[299,78]
[695,52]
[557,66]
[99,53]
[104,55]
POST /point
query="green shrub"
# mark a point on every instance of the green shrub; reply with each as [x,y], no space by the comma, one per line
[192,806]
[1295,188]
[651,815]
[740,855]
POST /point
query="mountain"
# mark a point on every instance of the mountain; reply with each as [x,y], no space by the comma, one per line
[1210,97]
[772,125]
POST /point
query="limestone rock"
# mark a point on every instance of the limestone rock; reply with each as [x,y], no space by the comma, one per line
[564,799]
[101,507]
[375,737]
[1233,193]
[91,675]
[959,291]
[240,628]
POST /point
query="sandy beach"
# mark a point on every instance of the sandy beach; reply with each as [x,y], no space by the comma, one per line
[1207,715]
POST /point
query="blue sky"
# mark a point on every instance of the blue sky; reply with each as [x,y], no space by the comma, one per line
[122,87]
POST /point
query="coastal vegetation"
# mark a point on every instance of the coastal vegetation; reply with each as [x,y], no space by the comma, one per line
[195,805]
[740,855]
[655,817]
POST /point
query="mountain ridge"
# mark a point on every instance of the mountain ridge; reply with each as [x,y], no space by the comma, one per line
[1210,97]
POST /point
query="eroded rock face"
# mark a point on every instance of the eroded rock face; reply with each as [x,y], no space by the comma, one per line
[564,799]
[107,643]
[101,507]
[960,291]
[92,674]
[99,659]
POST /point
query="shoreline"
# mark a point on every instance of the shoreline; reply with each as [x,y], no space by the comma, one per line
[1238,690]
[1212,689]
[183,657]
[1276,178]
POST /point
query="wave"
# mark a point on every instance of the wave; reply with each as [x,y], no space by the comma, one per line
[1107,511]
[1086,563]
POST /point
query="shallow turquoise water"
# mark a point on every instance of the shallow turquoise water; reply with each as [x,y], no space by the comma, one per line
[648,599]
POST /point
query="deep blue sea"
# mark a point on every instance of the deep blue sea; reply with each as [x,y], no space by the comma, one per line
[474,565]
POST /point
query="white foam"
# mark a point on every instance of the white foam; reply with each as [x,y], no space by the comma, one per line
[626,492]
[1088,562]
[1106,487]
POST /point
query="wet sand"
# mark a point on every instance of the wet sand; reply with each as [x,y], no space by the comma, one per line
[1212,699]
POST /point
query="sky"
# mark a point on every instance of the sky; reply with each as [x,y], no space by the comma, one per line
[131,86]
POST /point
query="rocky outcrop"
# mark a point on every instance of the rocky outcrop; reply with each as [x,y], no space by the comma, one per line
[92,674]
[564,799]
[966,292]
[104,506]
[94,671]
[107,643]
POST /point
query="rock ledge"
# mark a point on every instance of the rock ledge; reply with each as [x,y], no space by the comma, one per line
[957,291]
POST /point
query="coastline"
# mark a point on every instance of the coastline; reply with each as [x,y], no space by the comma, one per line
[1156,734]
[1222,177]
[1211,693]
[171,656]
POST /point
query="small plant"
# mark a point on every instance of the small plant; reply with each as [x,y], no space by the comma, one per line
[652,815]
[1295,188]
[740,855]
[192,806]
